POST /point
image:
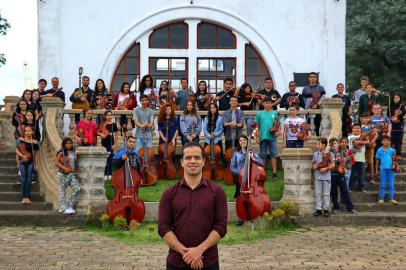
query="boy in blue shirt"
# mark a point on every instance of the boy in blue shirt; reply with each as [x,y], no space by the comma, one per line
[384,161]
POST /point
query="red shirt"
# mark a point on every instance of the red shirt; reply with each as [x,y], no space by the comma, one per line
[89,131]
[192,215]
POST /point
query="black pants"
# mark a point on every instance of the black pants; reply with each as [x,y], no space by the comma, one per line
[337,181]
[215,266]
[230,142]
[108,170]
[397,137]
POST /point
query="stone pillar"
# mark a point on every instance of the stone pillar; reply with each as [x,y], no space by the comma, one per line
[59,105]
[328,105]
[91,162]
[10,102]
[297,166]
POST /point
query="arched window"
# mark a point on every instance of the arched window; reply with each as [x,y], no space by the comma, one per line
[171,69]
[214,71]
[212,36]
[255,67]
[128,70]
[170,36]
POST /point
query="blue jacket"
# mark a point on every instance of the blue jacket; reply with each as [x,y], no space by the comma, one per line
[218,130]
[237,161]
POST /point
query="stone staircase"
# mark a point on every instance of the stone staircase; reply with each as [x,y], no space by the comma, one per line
[39,213]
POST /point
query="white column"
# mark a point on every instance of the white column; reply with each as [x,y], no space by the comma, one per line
[144,55]
[240,59]
[192,52]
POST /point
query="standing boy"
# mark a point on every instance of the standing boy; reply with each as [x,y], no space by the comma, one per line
[144,120]
[384,168]
[358,148]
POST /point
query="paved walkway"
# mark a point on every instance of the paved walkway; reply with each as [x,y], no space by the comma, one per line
[318,248]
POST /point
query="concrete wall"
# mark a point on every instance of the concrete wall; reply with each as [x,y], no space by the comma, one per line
[291,36]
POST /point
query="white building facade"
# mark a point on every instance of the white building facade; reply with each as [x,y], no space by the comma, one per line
[207,40]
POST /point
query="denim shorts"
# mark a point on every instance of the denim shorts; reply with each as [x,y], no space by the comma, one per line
[139,143]
[268,147]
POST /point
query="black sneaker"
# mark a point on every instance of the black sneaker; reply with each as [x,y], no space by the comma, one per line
[326,213]
[317,213]
[274,176]
[239,223]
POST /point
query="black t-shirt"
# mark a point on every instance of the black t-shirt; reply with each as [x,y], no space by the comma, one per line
[109,140]
[224,102]
[243,99]
[273,95]
[200,101]
[59,94]
[29,147]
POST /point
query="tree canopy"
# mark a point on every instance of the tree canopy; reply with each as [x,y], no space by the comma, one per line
[4,25]
[376,43]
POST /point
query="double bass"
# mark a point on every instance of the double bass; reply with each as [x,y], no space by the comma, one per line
[212,169]
[228,175]
[253,200]
[126,202]
[148,171]
[181,170]
[166,168]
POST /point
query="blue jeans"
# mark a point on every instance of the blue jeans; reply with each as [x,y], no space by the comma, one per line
[387,177]
[268,147]
[347,179]
[26,169]
[294,143]
[139,143]
[358,170]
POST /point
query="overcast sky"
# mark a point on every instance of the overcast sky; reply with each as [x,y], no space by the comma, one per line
[19,46]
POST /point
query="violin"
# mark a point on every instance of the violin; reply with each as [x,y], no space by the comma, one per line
[22,147]
[166,151]
[372,135]
[228,175]
[126,202]
[395,117]
[314,104]
[103,101]
[149,175]
[125,103]
[81,135]
[170,98]
[363,138]
[253,200]
[212,169]
[104,131]
[275,128]
[208,101]
[303,134]
[325,161]
[384,128]
[152,100]
[191,97]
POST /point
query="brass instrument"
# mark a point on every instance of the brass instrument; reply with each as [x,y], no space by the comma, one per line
[79,94]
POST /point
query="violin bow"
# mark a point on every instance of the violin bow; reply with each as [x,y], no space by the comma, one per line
[256,91]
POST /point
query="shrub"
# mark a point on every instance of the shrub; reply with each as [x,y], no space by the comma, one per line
[278,214]
[105,221]
[288,207]
[120,222]
[110,191]
[134,225]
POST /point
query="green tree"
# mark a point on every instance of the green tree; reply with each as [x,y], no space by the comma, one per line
[4,25]
[376,43]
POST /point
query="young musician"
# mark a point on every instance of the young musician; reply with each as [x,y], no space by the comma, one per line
[346,111]
[292,129]
[102,98]
[65,161]
[368,128]
[19,117]
[42,84]
[167,119]
[35,105]
[190,124]
[292,97]
[124,100]
[82,96]
[85,132]
[396,113]
[358,148]
[166,95]
[109,137]
[27,152]
[237,163]
[270,92]
[55,91]
[202,97]
[267,142]
[147,88]
[213,126]
[127,152]
[346,152]
[337,179]
[233,119]
[27,97]
[223,97]
[322,178]
[144,121]
[247,102]
[192,216]
[183,94]
[378,120]
[30,121]
[362,91]
[367,100]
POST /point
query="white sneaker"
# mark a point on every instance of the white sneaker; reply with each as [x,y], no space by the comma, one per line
[61,211]
[69,211]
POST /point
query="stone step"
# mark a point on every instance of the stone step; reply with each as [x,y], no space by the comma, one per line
[375,207]
[399,186]
[16,196]
[7,187]
[6,169]
[11,163]
[373,196]
[360,219]
[40,218]
[399,177]
[35,206]
[9,178]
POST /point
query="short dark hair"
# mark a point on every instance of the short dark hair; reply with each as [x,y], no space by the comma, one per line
[344,139]
[332,140]
[356,125]
[183,79]
[192,144]
[386,137]
[366,115]
[266,99]
[268,79]
[55,78]
[228,80]
[42,80]
[322,141]
[233,97]
[85,77]
[313,73]
[143,96]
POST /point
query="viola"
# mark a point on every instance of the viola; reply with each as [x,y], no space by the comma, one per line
[362,138]
[303,134]
[125,103]
[126,202]
[149,174]
[104,131]
[212,169]
[228,175]
[275,127]
[253,200]
[325,161]
[395,118]
[384,128]
[171,99]
[166,168]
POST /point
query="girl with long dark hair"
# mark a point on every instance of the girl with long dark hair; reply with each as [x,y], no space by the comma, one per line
[396,114]
[213,126]
[147,88]
[109,137]
[190,124]
[124,100]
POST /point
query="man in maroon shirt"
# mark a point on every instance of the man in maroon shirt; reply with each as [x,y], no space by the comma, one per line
[193,216]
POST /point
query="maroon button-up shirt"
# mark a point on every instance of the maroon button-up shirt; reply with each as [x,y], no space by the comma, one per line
[192,215]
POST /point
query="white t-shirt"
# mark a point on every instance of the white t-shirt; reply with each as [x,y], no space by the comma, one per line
[359,152]
[121,99]
[293,125]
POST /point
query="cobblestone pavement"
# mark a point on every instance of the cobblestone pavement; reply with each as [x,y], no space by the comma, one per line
[316,248]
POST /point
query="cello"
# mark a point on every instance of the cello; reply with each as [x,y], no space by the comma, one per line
[228,175]
[253,201]
[212,169]
[166,168]
[126,202]
[148,171]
